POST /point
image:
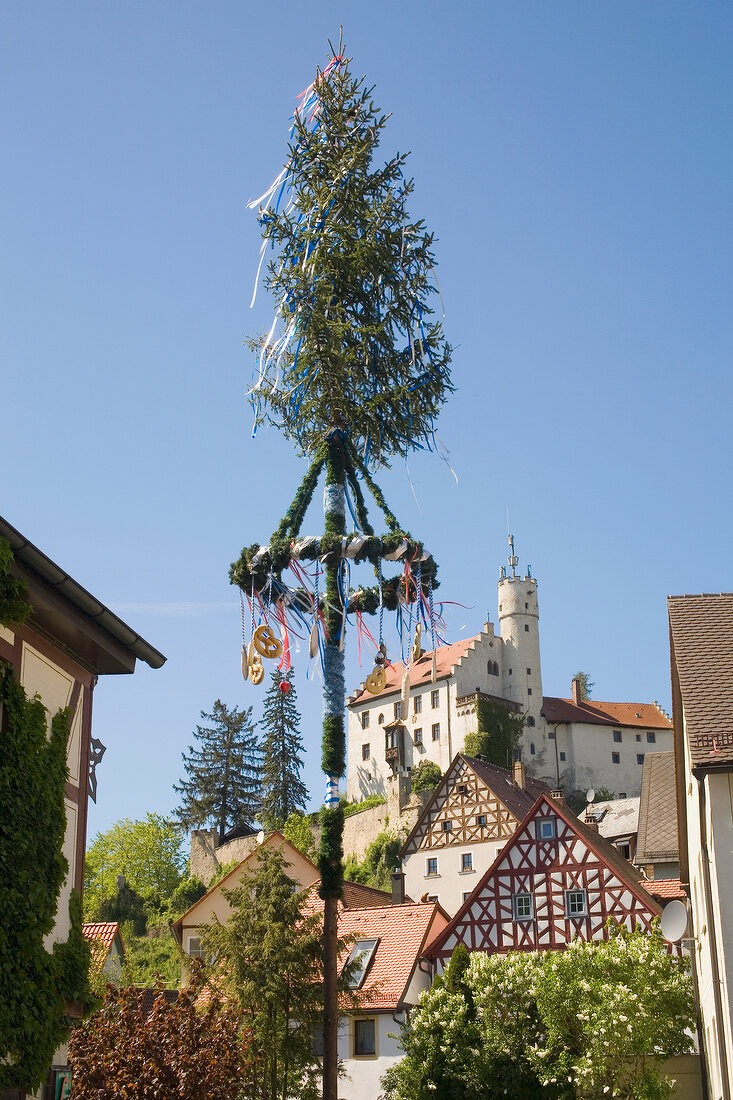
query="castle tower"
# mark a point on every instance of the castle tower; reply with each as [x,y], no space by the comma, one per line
[521,679]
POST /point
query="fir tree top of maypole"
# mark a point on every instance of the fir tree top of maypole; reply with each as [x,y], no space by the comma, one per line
[354,345]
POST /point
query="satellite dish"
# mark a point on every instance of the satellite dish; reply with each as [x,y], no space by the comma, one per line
[590,795]
[674,921]
[260,837]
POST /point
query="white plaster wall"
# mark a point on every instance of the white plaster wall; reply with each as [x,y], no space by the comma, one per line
[588,750]
[362,1078]
[450,883]
[720,843]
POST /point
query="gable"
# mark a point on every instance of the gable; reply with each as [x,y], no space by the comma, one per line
[545,870]
[462,796]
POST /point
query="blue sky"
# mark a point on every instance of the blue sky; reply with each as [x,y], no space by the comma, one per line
[574,162]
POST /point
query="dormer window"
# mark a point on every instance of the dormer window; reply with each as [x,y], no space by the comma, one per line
[361,956]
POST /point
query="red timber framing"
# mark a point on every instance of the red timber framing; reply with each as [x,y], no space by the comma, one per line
[555,881]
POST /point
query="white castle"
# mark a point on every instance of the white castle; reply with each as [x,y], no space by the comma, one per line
[572,744]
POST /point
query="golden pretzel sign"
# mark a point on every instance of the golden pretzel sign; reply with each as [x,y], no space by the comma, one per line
[266,644]
[376,680]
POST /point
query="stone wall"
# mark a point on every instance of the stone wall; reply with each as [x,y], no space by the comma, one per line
[207,857]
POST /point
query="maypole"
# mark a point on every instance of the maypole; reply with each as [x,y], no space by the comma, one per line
[354,372]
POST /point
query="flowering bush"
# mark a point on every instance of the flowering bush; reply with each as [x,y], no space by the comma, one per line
[593,1022]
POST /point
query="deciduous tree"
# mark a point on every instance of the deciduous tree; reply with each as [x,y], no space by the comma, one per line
[147,852]
[595,1021]
[193,1048]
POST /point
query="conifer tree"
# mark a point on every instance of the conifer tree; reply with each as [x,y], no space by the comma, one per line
[283,791]
[224,772]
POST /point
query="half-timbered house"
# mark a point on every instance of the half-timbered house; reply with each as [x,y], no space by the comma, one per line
[556,880]
[67,643]
[473,812]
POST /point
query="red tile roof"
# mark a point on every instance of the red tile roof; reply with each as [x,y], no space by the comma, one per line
[402,931]
[593,711]
[701,635]
[101,937]
[446,657]
[665,888]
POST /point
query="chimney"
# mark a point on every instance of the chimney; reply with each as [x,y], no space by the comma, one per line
[575,689]
[519,775]
[398,887]
[557,795]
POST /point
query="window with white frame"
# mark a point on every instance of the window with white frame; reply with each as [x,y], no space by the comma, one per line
[575,905]
[545,828]
[365,1037]
[465,895]
[431,866]
[522,906]
[194,947]
[467,861]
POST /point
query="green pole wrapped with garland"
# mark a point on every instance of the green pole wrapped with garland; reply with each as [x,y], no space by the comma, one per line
[354,371]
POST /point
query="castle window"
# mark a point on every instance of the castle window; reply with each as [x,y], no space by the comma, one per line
[365,719]
[522,905]
[529,671]
[398,709]
[417,737]
[526,606]
[435,699]
[562,755]
[575,903]
[529,691]
[640,758]
[530,720]
[617,736]
[380,720]
[526,627]
[551,735]
[417,704]
[510,672]
[638,737]
[615,757]
[651,738]
[431,866]
[436,732]
[531,749]
[366,752]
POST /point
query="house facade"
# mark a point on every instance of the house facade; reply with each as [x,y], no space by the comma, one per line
[569,743]
[556,880]
[701,652]
[68,642]
[395,937]
[472,814]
